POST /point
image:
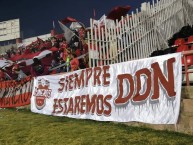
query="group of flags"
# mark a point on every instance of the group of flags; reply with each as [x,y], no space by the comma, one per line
[68,33]
[115,14]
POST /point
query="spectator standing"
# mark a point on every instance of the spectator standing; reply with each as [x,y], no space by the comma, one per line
[68,58]
[74,63]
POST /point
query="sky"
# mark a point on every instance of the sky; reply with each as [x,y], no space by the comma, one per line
[37,16]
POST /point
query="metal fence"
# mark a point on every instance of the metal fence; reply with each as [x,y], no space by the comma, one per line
[137,35]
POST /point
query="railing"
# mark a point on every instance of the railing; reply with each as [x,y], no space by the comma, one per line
[139,34]
[187,71]
[65,64]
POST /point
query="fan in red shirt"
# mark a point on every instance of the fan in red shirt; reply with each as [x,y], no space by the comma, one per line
[74,63]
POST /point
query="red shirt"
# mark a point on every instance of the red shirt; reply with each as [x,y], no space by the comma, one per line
[74,63]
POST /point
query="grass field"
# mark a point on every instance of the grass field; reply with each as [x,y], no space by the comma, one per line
[24,127]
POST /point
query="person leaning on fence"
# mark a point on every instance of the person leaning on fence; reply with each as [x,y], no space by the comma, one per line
[38,69]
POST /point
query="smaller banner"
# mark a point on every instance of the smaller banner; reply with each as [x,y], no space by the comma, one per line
[146,90]
[15,93]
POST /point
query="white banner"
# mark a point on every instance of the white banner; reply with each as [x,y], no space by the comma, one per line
[146,90]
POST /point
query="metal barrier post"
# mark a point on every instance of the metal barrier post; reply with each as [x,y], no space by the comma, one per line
[186,70]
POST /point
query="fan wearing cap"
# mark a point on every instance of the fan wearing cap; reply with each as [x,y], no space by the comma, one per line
[17,73]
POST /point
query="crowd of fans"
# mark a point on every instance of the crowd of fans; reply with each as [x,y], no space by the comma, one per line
[65,57]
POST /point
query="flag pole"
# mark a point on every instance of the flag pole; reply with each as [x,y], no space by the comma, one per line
[94,13]
[53,24]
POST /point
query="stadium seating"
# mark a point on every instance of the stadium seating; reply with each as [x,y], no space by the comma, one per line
[179,41]
[190,39]
[182,48]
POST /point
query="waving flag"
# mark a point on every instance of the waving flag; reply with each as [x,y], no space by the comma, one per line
[68,20]
[101,22]
[68,34]
[117,12]
[76,25]
[5,62]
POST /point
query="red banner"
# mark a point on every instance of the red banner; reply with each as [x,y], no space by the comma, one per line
[15,93]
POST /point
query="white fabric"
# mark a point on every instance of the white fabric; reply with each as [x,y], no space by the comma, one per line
[47,98]
[5,62]
[75,25]
[40,56]
[68,34]
[101,22]
[43,54]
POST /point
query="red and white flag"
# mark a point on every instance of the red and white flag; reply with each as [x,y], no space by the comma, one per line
[68,20]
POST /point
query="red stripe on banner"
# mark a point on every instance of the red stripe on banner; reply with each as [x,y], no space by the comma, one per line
[15,101]
[13,83]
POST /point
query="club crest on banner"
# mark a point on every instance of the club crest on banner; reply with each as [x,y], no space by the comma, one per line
[41,93]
